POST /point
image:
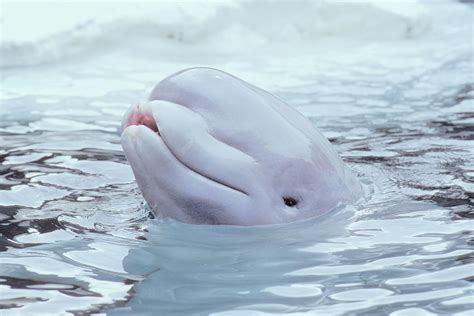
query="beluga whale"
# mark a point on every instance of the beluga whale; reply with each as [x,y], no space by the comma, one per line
[210,148]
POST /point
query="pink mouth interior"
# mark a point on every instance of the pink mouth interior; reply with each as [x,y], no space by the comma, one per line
[138,117]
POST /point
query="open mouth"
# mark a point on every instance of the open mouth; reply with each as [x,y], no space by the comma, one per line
[142,114]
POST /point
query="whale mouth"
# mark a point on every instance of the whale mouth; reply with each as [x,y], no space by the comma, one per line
[142,115]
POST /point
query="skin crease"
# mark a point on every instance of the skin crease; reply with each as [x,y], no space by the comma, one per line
[209,148]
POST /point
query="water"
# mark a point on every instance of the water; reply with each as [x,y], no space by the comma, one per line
[77,238]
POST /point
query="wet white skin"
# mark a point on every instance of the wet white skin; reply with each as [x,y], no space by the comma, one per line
[227,152]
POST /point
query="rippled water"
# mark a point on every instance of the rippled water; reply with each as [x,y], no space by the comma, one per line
[76,236]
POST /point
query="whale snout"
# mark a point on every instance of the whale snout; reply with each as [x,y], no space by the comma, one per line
[140,114]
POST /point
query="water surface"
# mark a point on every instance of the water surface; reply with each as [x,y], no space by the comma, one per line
[77,238]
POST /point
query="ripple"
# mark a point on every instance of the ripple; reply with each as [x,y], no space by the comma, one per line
[411,312]
[376,265]
[30,195]
[360,294]
[104,256]
[295,290]
[388,300]
[446,275]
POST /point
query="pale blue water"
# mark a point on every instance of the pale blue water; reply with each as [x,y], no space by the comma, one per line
[77,238]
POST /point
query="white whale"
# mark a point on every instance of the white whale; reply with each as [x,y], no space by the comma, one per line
[209,148]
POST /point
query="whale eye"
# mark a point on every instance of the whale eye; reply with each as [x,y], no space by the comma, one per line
[289,201]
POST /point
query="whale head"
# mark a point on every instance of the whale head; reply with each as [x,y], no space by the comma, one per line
[209,148]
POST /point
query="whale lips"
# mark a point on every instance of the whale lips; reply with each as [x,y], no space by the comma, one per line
[140,114]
